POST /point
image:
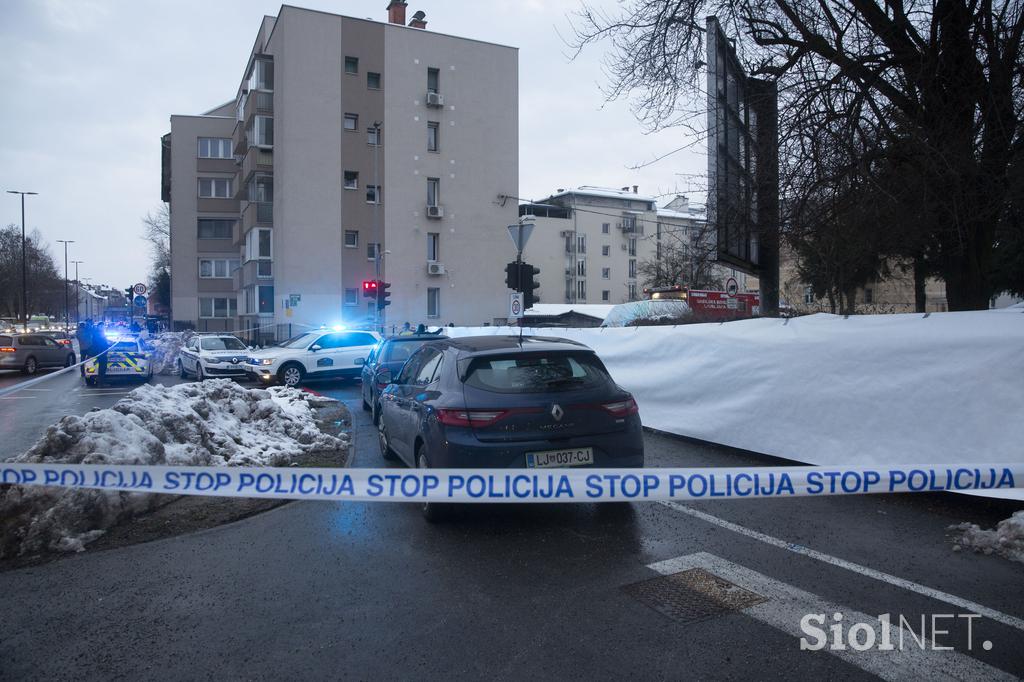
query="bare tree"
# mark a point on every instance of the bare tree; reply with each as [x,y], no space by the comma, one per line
[944,75]
[687,256]
[156,229]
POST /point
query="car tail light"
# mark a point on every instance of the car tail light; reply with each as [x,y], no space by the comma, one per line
[64,342]
[621,408]
[7,349]
[470,417]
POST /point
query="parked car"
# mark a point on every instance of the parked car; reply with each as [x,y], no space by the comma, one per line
[506,402]
[213,355]
[129,357]
[389,354]
[31,352]
[63,338]
[313,355]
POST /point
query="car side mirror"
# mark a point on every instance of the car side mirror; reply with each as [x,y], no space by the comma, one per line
[359,361]
[384,377]
[315,347]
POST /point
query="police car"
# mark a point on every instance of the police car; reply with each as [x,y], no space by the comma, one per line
[213,355]
[328,353]
[129,357]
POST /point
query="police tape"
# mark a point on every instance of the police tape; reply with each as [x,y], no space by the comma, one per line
[517,485]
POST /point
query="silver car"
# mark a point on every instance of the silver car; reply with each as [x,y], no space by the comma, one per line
[31,352]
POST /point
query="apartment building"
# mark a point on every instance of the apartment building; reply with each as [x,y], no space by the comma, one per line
[590,243]
[351,147]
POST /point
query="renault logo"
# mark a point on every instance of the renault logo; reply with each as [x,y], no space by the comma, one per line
[557,412]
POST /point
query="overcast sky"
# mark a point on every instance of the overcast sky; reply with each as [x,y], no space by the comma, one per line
[89,86]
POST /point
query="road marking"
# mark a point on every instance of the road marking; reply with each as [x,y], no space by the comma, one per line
[786,605]
[932,593]
[18,397]
[38,389]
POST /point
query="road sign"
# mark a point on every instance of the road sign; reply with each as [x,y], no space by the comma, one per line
[515,305]
[732,287]
[139,301]
[732,303]
[520,234]
[139,289]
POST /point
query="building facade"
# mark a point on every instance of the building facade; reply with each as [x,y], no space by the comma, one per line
[592,243]
[352,148]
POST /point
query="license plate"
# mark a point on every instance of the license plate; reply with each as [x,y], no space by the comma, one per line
[560,458]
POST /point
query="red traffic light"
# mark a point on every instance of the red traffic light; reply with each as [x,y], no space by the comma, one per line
[370,288]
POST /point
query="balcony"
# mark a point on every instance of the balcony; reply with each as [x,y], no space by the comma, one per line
[249,274]
[258,102]
[240,138]
[257,160]
[257,214]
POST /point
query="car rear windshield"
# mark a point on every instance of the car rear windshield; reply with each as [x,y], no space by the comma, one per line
[222,343]
[536,372]
[399,351]
[125,345]
[6,341]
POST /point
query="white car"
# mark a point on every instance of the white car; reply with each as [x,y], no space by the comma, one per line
[128,358]
[313,355]
[213,355]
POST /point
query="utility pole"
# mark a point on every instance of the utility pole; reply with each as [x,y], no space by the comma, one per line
[77,297]
[67,302]
[24,271]
[378,321]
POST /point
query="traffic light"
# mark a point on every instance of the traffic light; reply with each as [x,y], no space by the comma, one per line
[527,284]
[512,276]
[129,296]
[383,295]
[369,288]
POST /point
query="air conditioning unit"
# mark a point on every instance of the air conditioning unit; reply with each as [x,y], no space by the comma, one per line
[565,233]
[435,211]
[435,99]
[435,268]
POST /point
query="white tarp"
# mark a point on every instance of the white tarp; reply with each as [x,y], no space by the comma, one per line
[823,389]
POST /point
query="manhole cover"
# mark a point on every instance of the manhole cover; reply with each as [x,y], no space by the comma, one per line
[693,595]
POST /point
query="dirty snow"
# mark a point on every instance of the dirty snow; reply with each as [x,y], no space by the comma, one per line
[1006,539]
[212,423]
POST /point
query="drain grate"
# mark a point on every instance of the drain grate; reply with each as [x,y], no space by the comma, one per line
[693,595]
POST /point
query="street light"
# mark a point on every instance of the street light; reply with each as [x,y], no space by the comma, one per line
[24,271]
[67,305]
[77,297]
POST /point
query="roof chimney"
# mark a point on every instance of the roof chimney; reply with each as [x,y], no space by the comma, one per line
[396,12]
[419,20]
[636,189]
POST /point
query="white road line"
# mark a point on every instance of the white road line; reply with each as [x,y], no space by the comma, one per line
[786,605]
[18,397]
[932,593]
[38,389]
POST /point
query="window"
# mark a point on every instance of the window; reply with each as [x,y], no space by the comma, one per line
[433,191]
[808,295]
[869,296]
[351,179]
[266,298]
[264,250]
[606,250]
[262,76]
[264,269]
[581,290]
[606,273]
[351,239]
[606,228]
[215,148]
[373,80]
[537,373]
[433,131]
[218,307]
[351,65]
[374,195]
[629,223]
[214,188]
[351,296]
[217,268]
[581,243]
[373,135]
[371,251]
[215,228]
[433,246]
[433,302]
[632,267]
[632,292]
[263,131]
[581,267]
[259,244]
[428,368]
[433,80]
[351,122]
[261,189]
[606,295]
[632,246]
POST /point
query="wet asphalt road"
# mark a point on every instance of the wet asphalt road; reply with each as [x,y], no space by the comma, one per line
[371,591]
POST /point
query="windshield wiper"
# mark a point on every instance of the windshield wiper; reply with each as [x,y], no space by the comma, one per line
[564,380]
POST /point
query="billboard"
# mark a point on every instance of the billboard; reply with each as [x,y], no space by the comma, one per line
[743,150]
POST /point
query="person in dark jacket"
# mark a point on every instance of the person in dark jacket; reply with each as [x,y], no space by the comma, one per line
[84,336]
[99,349]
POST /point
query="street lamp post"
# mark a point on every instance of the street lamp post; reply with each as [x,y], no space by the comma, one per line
[67,302]
[24,271]
[77,296]
[378,319]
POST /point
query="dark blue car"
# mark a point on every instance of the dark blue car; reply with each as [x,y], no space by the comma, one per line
[389,354]
[507,402]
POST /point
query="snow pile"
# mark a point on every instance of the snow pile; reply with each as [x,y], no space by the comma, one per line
[212,423]
[166,347]
[821,389]
[1006,539]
